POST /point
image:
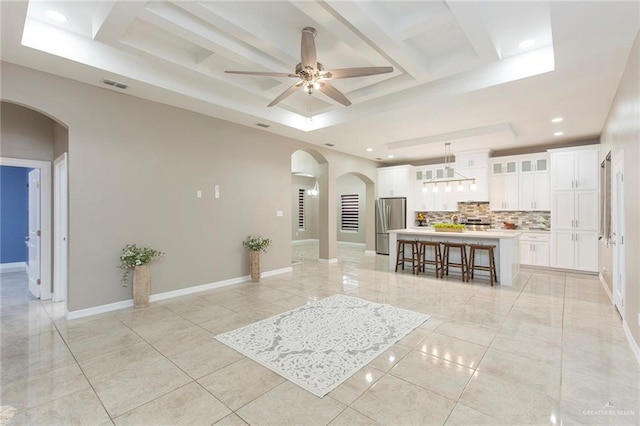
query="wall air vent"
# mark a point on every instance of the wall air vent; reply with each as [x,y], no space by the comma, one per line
[114,83]
[263,125]
[330,144]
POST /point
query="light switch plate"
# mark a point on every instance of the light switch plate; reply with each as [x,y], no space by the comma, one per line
[198,194]
[279,213]
[216,191]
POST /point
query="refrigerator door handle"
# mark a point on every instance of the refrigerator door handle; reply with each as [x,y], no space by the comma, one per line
[388,217]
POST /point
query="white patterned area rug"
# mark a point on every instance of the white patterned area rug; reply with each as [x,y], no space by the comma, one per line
[320,345]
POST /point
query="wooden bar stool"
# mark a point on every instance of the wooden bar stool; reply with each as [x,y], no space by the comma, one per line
[492,261]
[463,265]
[401,256]
[437,257]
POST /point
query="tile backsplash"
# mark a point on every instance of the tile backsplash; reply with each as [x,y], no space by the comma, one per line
[524,219]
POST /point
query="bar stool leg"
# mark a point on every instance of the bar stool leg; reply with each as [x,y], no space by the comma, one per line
[465,264]
[492,259]
[399,254]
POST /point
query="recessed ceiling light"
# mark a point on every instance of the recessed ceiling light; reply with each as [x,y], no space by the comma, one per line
[369,149]
[390,156]
[525,44]
[557,120]
[56,16]
[558,134]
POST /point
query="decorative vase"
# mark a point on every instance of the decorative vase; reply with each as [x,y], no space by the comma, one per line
[141,286]
[255,265]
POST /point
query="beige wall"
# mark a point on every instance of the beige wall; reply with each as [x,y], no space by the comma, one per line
[60,140]
[622,133]
[134,169]
[26,134]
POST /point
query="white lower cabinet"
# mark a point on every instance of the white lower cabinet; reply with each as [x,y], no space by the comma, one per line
[575,250]
[534,249]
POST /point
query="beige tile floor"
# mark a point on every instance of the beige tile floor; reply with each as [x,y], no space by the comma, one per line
[549,351]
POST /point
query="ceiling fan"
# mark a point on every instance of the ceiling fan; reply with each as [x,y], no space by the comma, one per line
[311,74]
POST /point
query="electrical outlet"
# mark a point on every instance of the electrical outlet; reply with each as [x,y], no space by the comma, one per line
[216,191]
[279,213]
[198,194]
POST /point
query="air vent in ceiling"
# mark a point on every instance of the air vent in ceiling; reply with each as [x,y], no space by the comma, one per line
[378,158]
[263,125]
[330,144]
[114,83]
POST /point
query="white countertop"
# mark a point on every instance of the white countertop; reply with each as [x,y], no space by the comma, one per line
[493,233]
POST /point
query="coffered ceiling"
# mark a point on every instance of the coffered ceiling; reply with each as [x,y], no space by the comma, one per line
[461,73]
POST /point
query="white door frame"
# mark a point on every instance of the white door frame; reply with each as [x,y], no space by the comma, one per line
[60,228]
[618,229]
[32,239]
[45,218]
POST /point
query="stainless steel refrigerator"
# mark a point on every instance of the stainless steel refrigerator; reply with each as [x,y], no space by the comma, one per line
[391,213]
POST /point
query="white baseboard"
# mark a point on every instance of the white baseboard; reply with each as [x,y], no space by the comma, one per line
[13,267]
[370,253]
[632,342]
[351,244]
[334,260]
[81,313]
[308,240]
[170,294]
[606,287]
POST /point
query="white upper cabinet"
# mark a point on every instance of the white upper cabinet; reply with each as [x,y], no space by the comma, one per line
[575,169]
[504,184]
[473,165]
[534,183]
[395,181]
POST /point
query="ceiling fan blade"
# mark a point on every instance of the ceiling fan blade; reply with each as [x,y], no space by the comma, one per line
[358,72]
[265,74]
[286,93]
[308,48]
[334,93]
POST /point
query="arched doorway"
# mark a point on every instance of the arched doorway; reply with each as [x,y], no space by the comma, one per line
[355,207]
[34,140]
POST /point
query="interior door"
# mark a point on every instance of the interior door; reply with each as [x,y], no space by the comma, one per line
[33,239]
[618,227]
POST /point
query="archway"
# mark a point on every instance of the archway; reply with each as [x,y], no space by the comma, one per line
[34,139]
[310,195]
[356,191]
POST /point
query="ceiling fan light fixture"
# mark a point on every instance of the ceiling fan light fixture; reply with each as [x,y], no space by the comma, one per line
[311,74]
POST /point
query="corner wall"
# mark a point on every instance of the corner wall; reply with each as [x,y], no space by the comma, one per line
[622,133]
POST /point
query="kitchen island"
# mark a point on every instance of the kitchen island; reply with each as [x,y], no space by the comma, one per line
[507,252]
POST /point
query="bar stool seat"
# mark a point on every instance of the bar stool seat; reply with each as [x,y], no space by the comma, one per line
[401,256]
[491,268]
[437,257]
[463,264]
